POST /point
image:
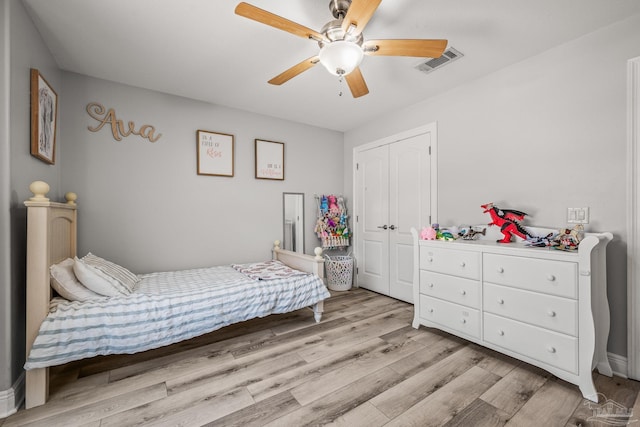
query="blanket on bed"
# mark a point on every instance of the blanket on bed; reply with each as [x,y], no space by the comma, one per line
[163,309]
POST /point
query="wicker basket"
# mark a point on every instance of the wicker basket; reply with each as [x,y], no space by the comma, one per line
[339,272]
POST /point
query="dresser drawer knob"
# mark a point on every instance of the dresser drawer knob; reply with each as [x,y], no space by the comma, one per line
[500,332]
[551,313]
[500,301]
[431,310]
[500,270]
[551,349]
[463,321]
[431,285]
[463,292]
[462,264]
[551,278]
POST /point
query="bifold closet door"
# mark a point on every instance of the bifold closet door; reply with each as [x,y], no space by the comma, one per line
[372,184]
[393,185]
[409,206]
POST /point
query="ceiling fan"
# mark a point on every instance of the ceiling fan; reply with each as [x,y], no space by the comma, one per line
[341,42]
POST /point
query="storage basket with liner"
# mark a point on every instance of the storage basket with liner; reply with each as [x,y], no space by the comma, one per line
[339,272]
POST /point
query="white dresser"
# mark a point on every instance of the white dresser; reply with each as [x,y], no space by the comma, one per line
[540,305]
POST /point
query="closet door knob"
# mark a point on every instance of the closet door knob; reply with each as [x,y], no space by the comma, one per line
[392,227]
[384,227]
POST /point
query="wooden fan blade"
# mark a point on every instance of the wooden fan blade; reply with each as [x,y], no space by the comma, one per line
[356,83]
[406,47]
[276,21]
[294,71]
[359,14]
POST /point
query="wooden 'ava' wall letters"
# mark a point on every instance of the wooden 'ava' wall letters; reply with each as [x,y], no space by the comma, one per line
[97,111]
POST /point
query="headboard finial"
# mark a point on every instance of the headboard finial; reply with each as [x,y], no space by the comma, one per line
[276,244]
[39,190]
[71,198]
[318,252]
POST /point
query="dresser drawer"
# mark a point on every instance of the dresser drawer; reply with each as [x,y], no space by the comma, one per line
[450,261]
[548,276]
[450,288]
[462,319]
[547,311]
[546,346]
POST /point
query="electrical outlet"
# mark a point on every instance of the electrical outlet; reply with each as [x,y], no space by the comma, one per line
[578,215]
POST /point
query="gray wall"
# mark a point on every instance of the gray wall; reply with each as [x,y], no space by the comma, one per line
[143,205]
[540,136]
[22,49]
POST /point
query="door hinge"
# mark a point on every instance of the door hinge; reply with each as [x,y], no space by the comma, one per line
[357,218]
[429,219]
[429,150]
[357,166]
[357,271]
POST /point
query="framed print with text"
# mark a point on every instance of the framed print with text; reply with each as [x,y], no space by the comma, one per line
[269,160]
[215,153]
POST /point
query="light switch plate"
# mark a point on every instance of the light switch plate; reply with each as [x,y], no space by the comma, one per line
[578,215]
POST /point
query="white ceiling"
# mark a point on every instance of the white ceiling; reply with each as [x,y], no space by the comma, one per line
[200,49]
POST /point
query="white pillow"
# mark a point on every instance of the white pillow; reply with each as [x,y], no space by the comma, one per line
[97,281]
[113,270]
[65,282]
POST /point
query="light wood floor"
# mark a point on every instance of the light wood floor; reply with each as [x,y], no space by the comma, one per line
[363,365]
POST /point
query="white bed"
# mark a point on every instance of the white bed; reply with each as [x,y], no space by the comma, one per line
[155,313]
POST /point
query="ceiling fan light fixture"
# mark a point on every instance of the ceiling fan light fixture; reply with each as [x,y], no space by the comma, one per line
[341,57]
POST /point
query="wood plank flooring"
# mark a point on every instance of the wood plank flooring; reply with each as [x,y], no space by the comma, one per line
[363,365]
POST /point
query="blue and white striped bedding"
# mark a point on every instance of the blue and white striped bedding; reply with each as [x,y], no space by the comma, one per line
[165,308]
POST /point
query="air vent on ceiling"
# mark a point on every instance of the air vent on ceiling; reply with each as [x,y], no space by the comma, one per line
[447,57]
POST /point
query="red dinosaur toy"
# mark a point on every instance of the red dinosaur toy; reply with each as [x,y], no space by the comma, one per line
[508,220]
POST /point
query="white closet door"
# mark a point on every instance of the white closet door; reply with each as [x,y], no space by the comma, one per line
[409,206]
[372,184]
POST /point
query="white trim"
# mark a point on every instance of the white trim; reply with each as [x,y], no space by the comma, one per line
[618,364]
[11,400]
[633,218]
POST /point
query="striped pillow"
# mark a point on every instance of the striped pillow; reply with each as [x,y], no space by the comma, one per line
[98,269]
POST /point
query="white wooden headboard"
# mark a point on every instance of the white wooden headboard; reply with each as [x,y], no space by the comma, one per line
[51,238]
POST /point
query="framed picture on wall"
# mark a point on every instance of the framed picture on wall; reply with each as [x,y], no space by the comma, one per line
[44,113]
[269,160]
[215,153]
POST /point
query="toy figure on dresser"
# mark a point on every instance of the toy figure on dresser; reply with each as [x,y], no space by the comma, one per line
[471,233]
[568,240]
[428,233]
[509,222]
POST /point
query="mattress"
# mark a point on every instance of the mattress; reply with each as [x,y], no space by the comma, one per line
[166,308]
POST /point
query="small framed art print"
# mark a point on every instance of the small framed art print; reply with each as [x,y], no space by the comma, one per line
[215,153]
[44,114]
[269,160]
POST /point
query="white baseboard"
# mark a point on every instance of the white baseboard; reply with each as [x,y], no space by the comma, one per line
[11,400]
[618,364]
